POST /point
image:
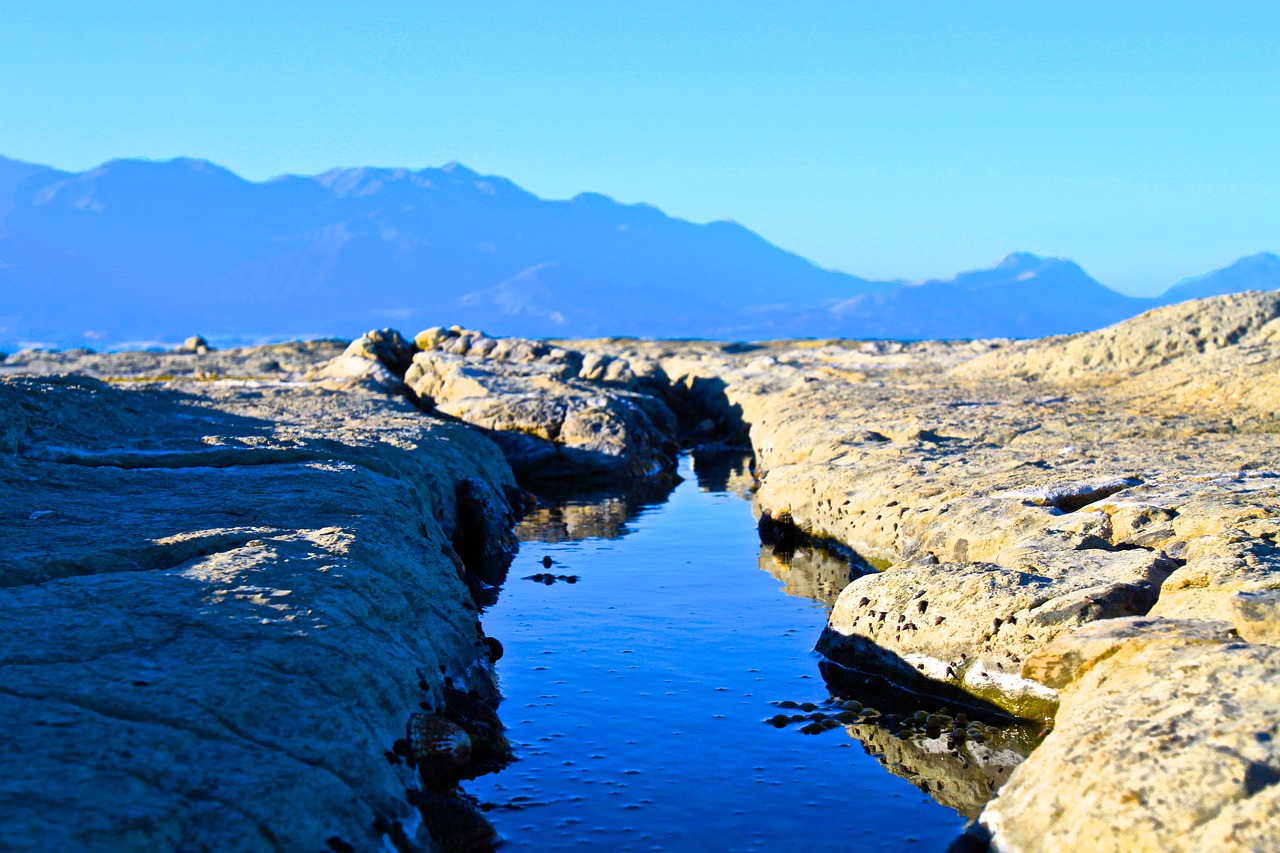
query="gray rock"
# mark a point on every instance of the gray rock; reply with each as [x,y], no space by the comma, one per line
[550,421]
[222,603]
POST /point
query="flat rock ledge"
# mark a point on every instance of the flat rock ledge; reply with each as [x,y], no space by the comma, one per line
[1083,530]
[225,594]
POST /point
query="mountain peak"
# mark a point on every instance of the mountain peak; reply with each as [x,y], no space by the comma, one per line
[1252,272]
[1262,259]
[458,170]
[1021,260]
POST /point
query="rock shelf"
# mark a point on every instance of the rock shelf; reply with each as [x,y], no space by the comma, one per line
[237,574]
[222,602]
[1079,529]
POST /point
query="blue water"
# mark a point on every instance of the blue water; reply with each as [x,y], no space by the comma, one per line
[636,698]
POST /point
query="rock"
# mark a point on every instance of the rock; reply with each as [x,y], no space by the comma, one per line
[271,363]
[377,360]
[429,339]
[385,345]
[251,588]
[1134,347]
[1257,616]
[974,624]
[1166,740]
[549,421]
[195,344]
[1074,653]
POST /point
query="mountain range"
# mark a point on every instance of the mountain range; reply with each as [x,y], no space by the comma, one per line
[140,251]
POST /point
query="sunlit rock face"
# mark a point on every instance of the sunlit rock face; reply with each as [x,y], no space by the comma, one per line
[557,413]
[226,596]
[1022,493]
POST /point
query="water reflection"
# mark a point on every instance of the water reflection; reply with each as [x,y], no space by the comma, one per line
[961,768]
[810,571]
[642,654]
[725,469]
[569,513]
[564,514]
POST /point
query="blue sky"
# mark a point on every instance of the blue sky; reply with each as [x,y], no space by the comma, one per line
[890,140]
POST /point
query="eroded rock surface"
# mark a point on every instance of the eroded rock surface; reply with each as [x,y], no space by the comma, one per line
[222,601]
[1166,740]
[1021,493]
[555,412]
[1081,529]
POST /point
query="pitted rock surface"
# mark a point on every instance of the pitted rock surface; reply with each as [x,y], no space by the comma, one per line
[1030,490]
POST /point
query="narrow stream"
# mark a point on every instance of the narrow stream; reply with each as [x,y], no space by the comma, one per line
[642,668]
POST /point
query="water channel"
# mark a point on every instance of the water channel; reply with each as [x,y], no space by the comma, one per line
[642,669]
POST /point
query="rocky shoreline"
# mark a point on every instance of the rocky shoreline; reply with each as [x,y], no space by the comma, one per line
[1079,531]
[225,603]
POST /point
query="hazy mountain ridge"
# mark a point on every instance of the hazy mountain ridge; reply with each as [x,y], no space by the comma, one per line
[1255,272]
[155,250]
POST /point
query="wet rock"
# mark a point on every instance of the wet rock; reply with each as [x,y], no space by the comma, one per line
[439,748]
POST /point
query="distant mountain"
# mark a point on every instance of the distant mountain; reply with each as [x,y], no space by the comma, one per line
[1256,272]
[137,251]
[1024,296]
[12,173]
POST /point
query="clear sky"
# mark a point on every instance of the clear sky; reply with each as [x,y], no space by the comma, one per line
[889,139]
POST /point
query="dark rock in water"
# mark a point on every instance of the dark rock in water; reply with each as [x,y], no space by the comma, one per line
[440,748]
[456,825]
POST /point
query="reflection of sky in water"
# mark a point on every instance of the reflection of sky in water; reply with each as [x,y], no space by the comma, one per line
[636,701]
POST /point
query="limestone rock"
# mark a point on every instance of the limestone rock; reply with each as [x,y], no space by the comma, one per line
[1257,616]
[1146,342]
[222,602]
[377,360]
[1165,741]
[550,420]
